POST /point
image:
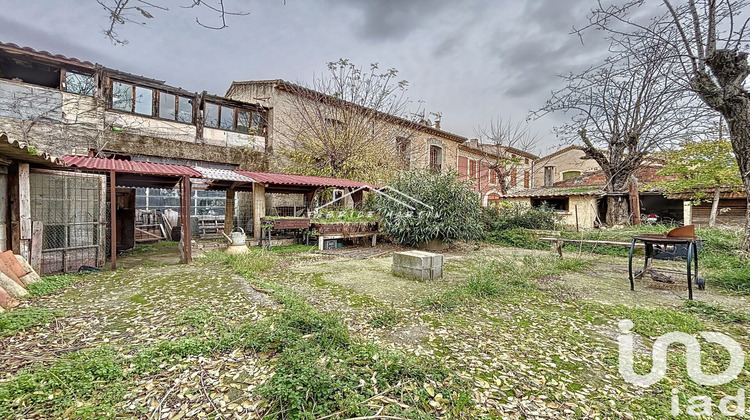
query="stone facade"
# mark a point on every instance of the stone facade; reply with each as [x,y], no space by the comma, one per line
[418,140]
[563,164]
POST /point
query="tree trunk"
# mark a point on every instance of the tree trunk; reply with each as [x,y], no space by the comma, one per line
[714,207]
[617,210]
[738,121]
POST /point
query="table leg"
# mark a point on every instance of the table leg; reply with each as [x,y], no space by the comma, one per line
[649,253]
[630,265]
[691,249]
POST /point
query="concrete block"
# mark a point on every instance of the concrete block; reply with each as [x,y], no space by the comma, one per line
[417,265]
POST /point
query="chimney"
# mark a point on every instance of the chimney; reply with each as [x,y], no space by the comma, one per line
[474,143]
[437,124]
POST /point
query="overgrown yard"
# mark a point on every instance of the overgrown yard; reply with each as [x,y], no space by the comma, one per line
[507,333]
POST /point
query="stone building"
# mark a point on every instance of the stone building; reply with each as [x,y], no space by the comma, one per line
[487,166]
[563,164]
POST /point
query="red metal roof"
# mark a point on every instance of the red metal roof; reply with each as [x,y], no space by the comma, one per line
[301,180]
[129,166]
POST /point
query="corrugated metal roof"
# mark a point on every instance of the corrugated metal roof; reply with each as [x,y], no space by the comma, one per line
[301,180]
[16,150]
[47,54]
[129,166]
[222,174]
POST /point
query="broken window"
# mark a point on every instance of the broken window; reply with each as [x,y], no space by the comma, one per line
[167,108]
[82,84]
[184,110]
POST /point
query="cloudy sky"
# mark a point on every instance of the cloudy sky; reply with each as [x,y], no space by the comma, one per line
[471,61]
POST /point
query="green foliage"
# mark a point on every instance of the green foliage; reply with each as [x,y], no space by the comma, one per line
[517,237]
[24,318]
[53,284]
[455,216]
[516,215]
[698,166]
[82,384]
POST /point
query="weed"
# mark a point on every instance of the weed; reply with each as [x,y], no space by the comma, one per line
[387,317]
[714,312]
[24,318]
[53,284]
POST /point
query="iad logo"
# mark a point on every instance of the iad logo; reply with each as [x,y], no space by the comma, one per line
[698,405]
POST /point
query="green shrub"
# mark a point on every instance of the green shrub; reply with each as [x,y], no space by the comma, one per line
[517,238]
[516,215]
[455,213]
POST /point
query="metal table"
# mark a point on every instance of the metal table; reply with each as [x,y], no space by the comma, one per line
[650,241]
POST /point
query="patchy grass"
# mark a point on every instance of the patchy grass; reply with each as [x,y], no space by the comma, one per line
[386,317]
[24,318]
[83,384]
[716,313]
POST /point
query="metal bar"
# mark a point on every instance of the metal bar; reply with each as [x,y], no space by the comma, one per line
[113,219]
[407,196]
[691,249]
[630,264]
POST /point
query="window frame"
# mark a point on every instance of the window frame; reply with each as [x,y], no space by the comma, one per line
[133,87]
[252,130]
[437,166]
[64,79]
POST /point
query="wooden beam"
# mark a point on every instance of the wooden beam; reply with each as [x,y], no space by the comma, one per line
[187,232]
[24,210]
[113,219]
[259,208]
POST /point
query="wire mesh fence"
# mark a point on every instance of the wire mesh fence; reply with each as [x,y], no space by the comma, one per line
[70,211]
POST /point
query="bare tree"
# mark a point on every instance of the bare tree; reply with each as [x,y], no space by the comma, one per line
[502,139]
[622,111]
[121,12]
[349,123]
[708,39]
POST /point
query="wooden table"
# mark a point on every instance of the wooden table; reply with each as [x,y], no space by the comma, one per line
[650,240]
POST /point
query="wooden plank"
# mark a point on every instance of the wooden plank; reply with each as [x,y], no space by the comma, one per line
[591,242]
[24,201]
[102,242]
[148,233]
[37,237]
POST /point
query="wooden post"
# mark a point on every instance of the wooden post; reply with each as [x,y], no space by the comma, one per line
[113,219]
[37,235]
[187,234]
[229,211]
[24,210]
[259,208]
[635,203]
[102,229]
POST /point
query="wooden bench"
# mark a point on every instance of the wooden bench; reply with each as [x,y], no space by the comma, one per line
[557,243]
[323,237]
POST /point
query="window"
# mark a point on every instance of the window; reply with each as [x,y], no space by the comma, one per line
[167,106]
[493,176]
[493,199]
[184,109]
[513,177]
[463,168]
[402,150]
[526,179]
[226,118]
[436,157]
[211,114]
[122,96]
[557,204]
[473,169]
[82,84]
[526,161]
[232,119]
[549,176]
[570,174]
[131,98]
